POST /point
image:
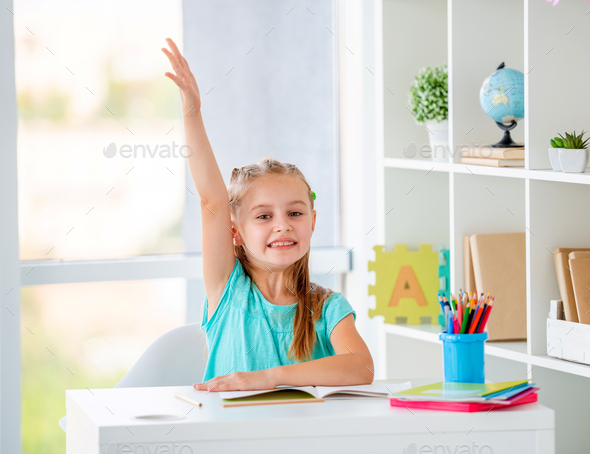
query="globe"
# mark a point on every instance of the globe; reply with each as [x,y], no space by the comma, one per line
[502,98]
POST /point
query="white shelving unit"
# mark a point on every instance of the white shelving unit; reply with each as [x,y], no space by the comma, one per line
[384,43]
[438,203]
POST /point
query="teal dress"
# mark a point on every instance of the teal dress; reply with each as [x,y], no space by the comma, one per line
[247,333]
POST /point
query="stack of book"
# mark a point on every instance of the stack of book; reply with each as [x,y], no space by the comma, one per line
[572,266]
[495,157]
[467,397]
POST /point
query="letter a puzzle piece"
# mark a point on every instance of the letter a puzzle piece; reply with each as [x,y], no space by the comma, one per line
[406,284]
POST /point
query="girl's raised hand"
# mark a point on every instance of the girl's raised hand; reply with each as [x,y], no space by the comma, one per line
[184,79]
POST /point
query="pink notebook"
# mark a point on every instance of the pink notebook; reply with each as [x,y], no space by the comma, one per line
[527,396]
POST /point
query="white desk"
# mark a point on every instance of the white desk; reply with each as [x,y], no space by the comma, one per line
[102,421]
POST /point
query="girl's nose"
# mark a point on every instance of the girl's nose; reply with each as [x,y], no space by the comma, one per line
[282,224]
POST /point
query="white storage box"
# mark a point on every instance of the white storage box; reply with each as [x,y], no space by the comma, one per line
[568,340]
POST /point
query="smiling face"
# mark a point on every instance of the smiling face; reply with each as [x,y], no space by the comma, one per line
[285,216]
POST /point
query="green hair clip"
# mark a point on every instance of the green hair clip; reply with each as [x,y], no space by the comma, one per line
[313,195]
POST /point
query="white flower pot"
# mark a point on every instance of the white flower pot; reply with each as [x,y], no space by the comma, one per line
[438,135]
[554,158]
[573,160]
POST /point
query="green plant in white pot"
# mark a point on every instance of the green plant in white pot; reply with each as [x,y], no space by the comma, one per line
[428,101]
[569,153]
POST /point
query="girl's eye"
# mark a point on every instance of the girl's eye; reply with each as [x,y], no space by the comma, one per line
[294,212]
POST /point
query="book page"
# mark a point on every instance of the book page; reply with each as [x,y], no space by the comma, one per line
[361,390]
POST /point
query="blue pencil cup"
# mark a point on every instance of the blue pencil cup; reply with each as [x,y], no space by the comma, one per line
[463,357]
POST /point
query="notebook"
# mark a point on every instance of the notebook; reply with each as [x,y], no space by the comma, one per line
[494,162]
[465,392]
[499,265]
[525,397]
[492,152]
[579,262]
[564,279]
[300,394]
[468,266]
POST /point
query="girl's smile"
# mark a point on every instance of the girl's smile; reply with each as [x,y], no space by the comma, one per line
[283,243]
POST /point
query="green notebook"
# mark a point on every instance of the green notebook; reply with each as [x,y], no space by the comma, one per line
[459,392]
[284,396]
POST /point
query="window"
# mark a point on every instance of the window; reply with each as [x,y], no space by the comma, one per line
[82,85]
[76,336]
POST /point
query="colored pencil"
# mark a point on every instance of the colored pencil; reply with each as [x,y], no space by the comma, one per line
[465,317]
[457,327]
[476,318]
[483,313]
[487,315]
[449,303]
[471,314]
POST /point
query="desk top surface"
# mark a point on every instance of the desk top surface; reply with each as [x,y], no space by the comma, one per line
[108,412]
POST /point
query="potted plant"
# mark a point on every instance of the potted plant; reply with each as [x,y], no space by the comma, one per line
[428,101]
[556,145]
[571,151]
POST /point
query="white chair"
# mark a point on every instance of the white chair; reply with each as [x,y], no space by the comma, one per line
[176,358]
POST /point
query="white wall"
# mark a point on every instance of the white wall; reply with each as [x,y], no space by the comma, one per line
[267,92]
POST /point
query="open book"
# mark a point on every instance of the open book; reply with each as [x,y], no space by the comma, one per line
[283,394]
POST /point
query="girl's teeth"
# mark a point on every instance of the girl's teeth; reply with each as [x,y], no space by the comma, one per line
[281,244]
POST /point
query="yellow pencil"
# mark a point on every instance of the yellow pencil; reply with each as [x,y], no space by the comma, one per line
[196,403]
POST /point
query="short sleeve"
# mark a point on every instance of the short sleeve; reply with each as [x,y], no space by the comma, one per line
[335,309]
[224,300]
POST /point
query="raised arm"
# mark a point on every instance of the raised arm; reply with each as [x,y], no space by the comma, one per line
[217,243]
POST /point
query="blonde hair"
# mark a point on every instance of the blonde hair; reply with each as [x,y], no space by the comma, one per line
[310,296]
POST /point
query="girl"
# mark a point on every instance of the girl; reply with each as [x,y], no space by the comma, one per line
[266,323]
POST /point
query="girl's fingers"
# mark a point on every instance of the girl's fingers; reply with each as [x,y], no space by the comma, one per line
[179,59]
[219,387]
[175,50]
[214,379]
[185,63]
[176,80]
[177,67]
[213,384]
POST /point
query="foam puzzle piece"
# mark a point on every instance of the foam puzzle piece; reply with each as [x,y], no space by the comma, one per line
[444,270]
[406,284]
[444,274]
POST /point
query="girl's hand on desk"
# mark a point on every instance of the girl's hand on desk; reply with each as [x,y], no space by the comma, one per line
[184,79]
[238,381]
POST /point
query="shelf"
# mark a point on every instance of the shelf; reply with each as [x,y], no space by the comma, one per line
[514,351]
[541,175]
[432,202]
[417,164]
